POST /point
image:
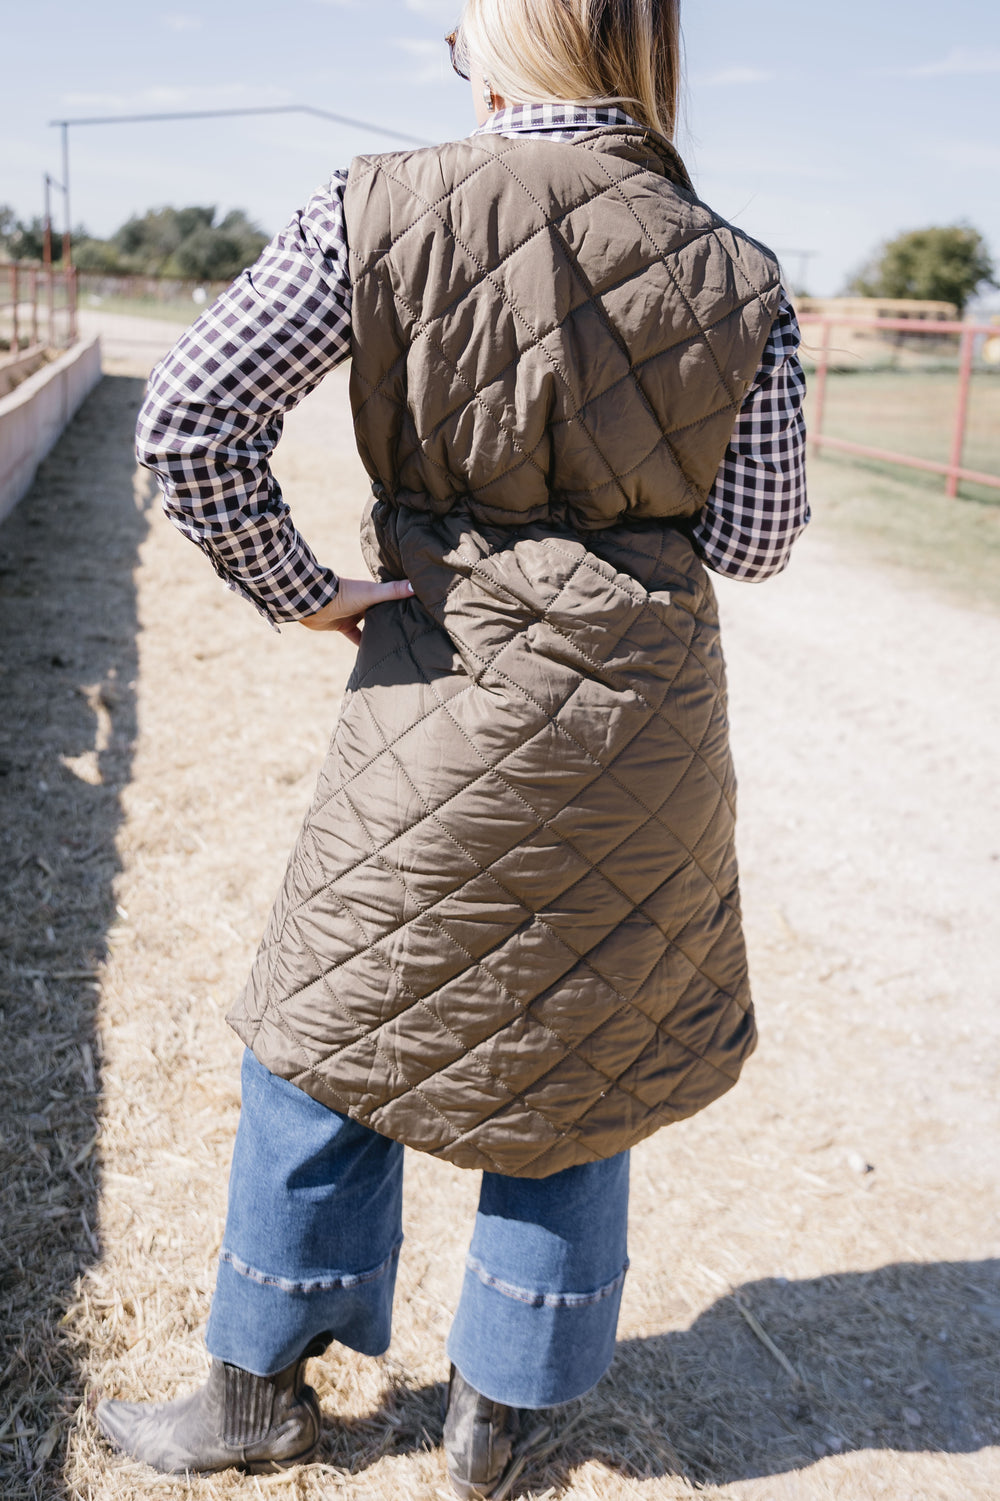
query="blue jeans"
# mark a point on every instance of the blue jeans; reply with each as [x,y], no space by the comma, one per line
[313,1236]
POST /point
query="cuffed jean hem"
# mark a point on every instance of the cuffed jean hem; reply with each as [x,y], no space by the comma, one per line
[555,1346]
[313,1231]
[263,1322]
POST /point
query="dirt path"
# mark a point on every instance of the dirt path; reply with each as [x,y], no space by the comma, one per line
[839,1208]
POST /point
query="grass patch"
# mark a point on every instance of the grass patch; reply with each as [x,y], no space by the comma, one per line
[912,412]
[181,312]
[896,517]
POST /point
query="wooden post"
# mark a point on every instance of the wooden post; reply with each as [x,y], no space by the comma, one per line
[961,410]
[819,406]
[71,301]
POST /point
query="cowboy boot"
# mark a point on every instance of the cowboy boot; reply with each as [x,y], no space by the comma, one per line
[479,1437]
[237,1419]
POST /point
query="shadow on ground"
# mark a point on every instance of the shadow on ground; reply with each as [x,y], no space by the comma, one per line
[901,1358]
[68,629]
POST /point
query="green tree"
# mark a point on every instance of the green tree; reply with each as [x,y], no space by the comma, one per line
[218,252]
[96,255]
[24,239]
[945,263]
[181,242]
[187,242]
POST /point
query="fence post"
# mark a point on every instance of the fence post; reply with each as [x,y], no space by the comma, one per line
[33,274]
[14,292]
[961,410]
[819,407]
[71,301]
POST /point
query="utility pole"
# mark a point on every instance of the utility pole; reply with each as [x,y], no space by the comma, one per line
[65,188]
[208,114]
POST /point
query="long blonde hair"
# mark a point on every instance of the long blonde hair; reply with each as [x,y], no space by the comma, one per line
[624,52]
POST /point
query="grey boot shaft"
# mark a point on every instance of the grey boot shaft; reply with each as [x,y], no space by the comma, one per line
[237,1419]
[479,1437]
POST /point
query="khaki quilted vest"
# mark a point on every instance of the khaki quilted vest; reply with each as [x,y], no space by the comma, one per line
[509,933]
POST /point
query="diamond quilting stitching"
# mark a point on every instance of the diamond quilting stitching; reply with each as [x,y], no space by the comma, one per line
[422,1001]
[516,1000]
[476,395]
[551,224]
[600,767]
[391,1065]
[491,875]
[536,338]
[372,1034]
[670,272]
[371,167]
[703,860]
[598,304]
[527,455]
[389,747]
[602,667]
[499,373]
[485,272]
[651,815]
[607,769]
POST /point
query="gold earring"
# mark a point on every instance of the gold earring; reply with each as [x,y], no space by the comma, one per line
[491,103]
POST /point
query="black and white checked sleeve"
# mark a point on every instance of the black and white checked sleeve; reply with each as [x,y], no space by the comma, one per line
[215,406]
[758,504]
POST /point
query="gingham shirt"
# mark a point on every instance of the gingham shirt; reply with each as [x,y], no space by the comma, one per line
[215,406]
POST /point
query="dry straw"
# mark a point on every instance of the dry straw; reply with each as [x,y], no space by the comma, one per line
[791,1327]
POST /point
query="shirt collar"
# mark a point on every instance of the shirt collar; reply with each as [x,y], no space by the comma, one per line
[541,118]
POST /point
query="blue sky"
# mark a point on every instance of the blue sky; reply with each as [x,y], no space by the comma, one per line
[819,128]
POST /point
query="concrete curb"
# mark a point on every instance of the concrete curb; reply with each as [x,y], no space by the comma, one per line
[33,416]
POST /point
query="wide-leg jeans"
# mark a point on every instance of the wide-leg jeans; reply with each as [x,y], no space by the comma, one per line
[313,1234]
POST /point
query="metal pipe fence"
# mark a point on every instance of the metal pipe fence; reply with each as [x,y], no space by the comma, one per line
[37,307]
[962,338]
[99,286]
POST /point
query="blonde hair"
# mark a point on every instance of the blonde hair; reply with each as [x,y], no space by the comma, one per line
[624,52]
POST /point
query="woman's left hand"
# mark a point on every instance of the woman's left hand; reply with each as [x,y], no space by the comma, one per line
[354,597]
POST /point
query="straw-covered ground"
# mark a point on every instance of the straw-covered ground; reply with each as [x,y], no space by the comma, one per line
[814,1306]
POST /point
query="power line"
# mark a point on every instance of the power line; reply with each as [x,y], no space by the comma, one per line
[263,109]
[213,114]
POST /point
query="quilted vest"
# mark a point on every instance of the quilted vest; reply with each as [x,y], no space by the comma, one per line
[509,933]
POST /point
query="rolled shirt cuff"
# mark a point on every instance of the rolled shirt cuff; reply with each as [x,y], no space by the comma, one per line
[290,589]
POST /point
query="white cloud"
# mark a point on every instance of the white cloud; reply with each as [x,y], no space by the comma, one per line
[725,77]
[180,22]
[959,62]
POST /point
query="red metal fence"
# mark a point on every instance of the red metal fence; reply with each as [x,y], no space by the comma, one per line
[96,286]
[37,307]
[967,336]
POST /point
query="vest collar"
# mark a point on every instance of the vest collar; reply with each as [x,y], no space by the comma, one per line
[637,143]
[598,127]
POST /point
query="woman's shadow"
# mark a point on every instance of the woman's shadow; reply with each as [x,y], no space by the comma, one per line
[770,1378]
[68,666]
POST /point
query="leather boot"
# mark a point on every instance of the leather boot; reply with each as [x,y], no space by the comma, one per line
[479,1438]
[253,1423]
